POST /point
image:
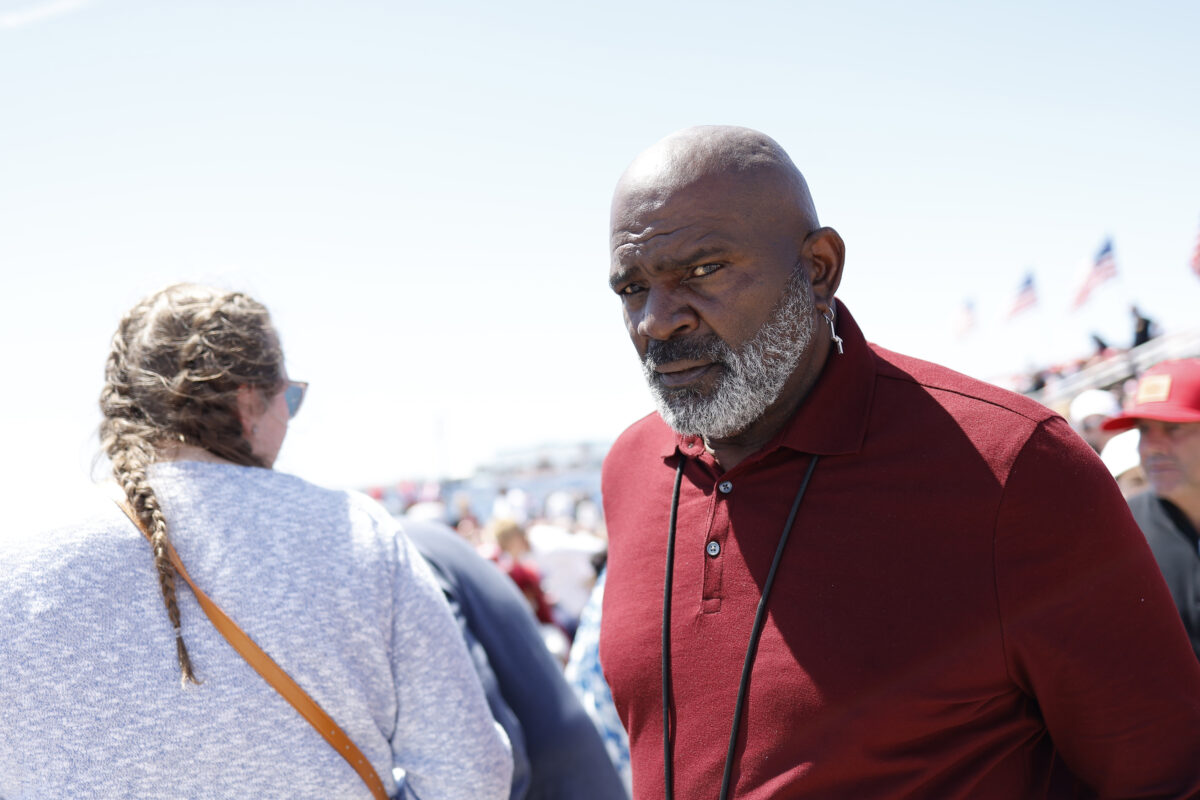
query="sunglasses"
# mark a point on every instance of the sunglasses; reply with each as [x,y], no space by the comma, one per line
[293,395]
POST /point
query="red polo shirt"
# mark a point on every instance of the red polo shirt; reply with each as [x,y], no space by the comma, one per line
[965,607]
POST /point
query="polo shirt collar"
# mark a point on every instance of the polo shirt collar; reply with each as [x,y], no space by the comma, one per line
[832,418]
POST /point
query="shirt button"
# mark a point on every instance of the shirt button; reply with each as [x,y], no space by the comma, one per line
[725,487]
[713,549]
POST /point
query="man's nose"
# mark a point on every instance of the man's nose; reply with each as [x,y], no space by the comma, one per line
[664,316]
[1153,441]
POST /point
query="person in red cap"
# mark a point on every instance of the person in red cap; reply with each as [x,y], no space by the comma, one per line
[1166,413]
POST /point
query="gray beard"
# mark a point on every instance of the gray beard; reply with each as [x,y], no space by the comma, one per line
[752,376]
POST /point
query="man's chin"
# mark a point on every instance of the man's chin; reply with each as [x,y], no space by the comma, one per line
[692,421]
[682,402]
[680,420]
[1167,486]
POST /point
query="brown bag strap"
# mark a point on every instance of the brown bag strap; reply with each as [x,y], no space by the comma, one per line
[274,674]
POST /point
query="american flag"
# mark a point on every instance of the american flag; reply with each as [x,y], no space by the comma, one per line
[1026,296]
[1104,267]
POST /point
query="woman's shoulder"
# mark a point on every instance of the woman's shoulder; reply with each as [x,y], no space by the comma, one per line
[99,536]
[230,487]
[247,501]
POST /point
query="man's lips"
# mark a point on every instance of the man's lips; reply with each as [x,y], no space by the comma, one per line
[682,373]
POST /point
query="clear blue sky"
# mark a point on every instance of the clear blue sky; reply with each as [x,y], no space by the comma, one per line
[420,193]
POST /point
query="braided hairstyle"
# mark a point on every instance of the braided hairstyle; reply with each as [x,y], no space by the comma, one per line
[177,360]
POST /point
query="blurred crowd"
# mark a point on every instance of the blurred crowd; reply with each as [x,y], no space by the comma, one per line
[551,544]
[546,533]
[1045,378]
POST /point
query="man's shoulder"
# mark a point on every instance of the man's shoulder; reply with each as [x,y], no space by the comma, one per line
[637,457]
[648,435]
[937,379]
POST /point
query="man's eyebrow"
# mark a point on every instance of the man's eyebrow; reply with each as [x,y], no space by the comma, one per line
[693,257]
[669,264]
[620,276]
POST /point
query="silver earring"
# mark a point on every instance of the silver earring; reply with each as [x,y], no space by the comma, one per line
[837,340]
[254,429]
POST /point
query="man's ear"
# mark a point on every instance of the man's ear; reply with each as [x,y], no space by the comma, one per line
[825,253]
[250,406]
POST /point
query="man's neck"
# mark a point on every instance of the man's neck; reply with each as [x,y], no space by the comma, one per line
[731,451]
[728,453]
[1189,504]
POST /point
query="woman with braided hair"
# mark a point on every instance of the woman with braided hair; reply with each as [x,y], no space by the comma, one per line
[195,407]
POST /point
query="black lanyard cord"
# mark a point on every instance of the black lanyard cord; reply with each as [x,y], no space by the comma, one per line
[668,760]
[760,617]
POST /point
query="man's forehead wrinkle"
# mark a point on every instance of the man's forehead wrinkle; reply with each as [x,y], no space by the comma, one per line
[629,246]
[634,206]
[642,234]
[640,217]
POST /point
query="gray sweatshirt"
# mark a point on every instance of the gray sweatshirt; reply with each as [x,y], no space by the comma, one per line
[90,698]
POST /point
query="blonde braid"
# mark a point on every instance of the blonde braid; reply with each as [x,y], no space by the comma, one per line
[172,375]
[129,457]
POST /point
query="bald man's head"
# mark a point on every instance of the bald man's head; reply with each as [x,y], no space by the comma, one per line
[724,275]
[751,161]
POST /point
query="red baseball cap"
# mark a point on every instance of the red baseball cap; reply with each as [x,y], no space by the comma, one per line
[1167,392]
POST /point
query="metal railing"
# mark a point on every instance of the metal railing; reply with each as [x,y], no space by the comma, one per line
[1120,367]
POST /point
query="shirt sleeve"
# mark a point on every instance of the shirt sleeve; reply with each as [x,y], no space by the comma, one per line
[1090,631]
[445,738]
[501,711]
